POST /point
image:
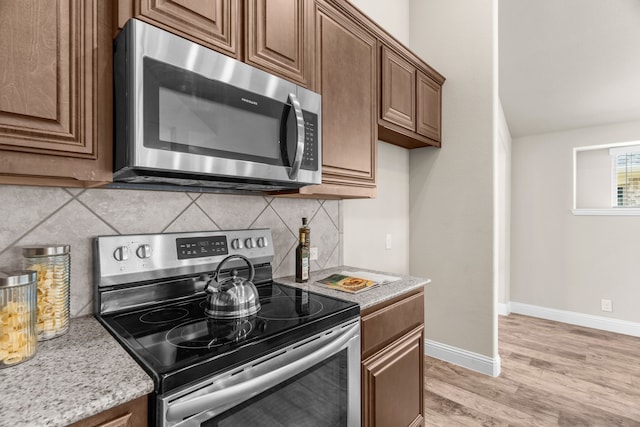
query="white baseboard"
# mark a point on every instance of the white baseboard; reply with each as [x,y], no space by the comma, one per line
[466,359]
[504,309]
[580,319]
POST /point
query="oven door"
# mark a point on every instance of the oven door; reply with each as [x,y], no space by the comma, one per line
[315,383]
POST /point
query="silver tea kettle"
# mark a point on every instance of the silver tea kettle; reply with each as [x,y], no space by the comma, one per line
[233,297]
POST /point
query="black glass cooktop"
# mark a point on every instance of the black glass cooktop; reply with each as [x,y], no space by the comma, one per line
[176,343]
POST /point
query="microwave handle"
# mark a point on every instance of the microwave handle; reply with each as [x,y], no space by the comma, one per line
[297,159]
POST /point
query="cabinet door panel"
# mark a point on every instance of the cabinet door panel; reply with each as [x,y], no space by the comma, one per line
[346,78]
[277,37]
[214,23]
[429,107]
[392,384]
[47,77]
[398,101]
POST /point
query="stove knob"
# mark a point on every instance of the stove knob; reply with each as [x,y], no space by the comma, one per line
[236,244]
[121,253]
[143,251]
[262,242]
[250,243]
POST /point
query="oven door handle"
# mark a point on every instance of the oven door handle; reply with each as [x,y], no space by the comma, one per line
[240,392]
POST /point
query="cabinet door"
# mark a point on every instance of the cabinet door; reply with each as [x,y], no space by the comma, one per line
[346,78]
[278,37]
[398,92]
[392,384]
[55,92]
[429,107]
[213,23]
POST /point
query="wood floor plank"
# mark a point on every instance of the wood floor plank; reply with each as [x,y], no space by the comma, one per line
[553,374]
[450,413]
[603,374]
[486,406]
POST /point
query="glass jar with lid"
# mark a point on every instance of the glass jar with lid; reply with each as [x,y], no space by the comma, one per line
[18,311]
[53,265]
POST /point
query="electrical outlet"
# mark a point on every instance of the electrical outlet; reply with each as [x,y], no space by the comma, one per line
[387,243]
[606,305]
[313,253]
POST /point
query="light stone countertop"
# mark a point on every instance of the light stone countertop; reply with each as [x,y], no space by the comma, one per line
[367,298]
[72,377]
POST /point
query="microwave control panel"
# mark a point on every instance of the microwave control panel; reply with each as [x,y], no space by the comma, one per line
[310,156]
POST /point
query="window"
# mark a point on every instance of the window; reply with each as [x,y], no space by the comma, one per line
[626,176]
[607,179]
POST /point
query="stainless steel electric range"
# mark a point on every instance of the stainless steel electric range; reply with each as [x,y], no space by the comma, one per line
[296,362]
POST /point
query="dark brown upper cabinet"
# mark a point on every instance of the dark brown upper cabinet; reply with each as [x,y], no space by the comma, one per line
[410,102]
[278,38]
[346,77]
[398,96]
[212,23]
[55,103]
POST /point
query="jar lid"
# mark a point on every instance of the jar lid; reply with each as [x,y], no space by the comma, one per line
[17,277]
[45,250]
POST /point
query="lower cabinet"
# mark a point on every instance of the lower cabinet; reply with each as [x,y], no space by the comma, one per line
[130,414]
[392,338]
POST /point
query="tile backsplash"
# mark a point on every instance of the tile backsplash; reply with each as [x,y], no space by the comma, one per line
[45,215]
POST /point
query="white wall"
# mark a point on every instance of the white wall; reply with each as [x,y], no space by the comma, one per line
[503,208]
[452,188]
[367,222]
[559,260]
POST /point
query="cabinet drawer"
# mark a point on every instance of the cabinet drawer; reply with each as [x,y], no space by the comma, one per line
[386,322]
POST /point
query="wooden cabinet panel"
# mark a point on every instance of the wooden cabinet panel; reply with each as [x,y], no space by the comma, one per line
[278,37]
[213,23]
[55,92]
[429,107]
[346,77]
[130,414]
[392,384]
[388,322]
[410,103]
[398,94]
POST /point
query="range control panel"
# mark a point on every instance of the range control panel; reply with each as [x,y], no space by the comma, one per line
[138,257]
[200,247]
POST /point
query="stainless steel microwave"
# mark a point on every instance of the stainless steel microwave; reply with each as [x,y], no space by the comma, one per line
[187,115]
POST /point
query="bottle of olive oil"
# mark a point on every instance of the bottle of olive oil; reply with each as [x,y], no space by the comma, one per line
[302,253]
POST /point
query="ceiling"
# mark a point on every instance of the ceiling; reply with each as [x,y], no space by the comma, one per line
[567,64]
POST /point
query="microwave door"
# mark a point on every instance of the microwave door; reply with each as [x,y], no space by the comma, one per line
[292,138]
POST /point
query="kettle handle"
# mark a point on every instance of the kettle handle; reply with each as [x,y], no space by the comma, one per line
[252,270]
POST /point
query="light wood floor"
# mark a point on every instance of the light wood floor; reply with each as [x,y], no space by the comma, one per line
[553,374]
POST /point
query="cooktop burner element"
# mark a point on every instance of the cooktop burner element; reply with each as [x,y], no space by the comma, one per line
[163,315]
[297,310]
[209,333]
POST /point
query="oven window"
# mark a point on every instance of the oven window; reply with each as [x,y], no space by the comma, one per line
[317,397]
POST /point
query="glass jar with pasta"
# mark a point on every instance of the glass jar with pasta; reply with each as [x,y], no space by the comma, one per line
[52,263]
[18,338]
